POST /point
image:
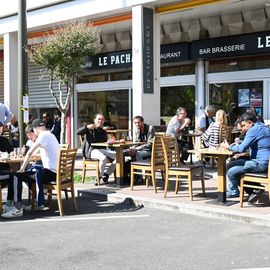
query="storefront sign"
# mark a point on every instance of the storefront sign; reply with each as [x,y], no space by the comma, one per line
[109,60]
[169,53]
[148,51]
[231,46]
[174,52]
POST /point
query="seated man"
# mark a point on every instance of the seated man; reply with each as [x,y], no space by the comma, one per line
[257,142]
[206,118]
[143,133]
[176,126]
[49,149]
[95,133]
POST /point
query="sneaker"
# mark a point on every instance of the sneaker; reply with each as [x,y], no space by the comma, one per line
[7,208]
[105,178]
[13,213]
[255,196]
[230,195]
[28,208]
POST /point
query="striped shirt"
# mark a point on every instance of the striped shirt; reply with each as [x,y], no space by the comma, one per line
[213,136]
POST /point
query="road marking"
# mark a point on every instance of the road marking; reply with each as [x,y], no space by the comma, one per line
[76,218]
[265,268]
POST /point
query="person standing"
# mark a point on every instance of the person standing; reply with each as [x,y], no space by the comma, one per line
[176,126]
[56,129]
[46,117]
[256,141]
[94,133]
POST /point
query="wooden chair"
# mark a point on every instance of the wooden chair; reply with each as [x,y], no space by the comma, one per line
[89,163]
[174,169]
[64,179]
[64,146]
[256,181]
[148,168]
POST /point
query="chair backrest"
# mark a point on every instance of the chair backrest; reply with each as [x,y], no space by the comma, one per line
[157,156]
[229,134]
[65,170]
[171,152]
[7,133]
[64,146]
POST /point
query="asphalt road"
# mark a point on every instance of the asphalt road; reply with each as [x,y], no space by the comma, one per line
[120,236]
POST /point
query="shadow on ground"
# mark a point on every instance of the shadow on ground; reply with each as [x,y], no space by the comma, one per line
[86,206]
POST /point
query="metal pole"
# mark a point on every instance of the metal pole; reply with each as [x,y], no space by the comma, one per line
[22,65]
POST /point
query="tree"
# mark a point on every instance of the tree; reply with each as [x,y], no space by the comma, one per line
[62,56]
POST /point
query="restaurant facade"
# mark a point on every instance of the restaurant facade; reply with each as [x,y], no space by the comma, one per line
[157,56]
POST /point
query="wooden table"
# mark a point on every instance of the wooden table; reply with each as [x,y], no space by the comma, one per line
[221,154]
[118,132]
[119,147]
[15,163]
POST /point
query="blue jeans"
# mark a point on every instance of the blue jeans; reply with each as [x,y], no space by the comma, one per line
[40,194]
[238,167]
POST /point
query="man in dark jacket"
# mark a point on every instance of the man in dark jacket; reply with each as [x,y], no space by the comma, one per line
[143,133]
[94,133]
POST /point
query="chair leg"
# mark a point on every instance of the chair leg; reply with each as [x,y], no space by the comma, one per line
[147,180]
[131,178]
[154,181]
[166,185]
[265,189]
[50,198]
[202,181]
[98,174]
[1,206]
[241,192]
[73,198]
[59,201]
[176,184]
[66,194]
[190,185]
[83,172]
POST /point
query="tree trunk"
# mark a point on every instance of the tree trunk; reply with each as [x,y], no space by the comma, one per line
[63,128]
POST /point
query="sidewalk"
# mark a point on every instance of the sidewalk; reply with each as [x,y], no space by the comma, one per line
[201,206]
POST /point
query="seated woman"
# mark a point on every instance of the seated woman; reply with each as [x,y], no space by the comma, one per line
[216,132]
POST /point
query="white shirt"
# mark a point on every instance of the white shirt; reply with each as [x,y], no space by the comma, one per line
[49,150]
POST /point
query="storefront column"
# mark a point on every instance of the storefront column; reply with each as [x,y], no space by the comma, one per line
[199,89]
[145,104]
[11,71]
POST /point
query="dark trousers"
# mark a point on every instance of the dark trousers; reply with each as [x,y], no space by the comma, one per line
[183,147]
[15,185]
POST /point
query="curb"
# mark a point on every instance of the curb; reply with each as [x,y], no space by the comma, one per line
[185,208]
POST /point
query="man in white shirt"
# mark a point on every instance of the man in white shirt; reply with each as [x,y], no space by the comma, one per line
[206,118]
[49,150]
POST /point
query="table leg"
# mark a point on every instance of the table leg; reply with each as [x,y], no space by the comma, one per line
[119,166]
[221,179]
[221,198]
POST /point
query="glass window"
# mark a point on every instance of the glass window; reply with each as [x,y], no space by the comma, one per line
[175,97]
[236,98]
[177,70]
[93,78]
[114,105]
[121,76]
[240,63]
